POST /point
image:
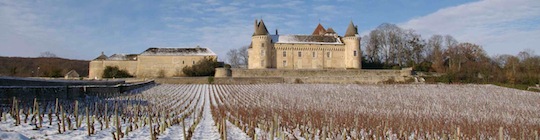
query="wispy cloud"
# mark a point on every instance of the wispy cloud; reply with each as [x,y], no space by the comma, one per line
[501,26]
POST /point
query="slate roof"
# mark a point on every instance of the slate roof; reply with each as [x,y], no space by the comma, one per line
[319,30]
[123,57]
[330,31]
[101,57]
[306,39]
[260,28]
[177,51]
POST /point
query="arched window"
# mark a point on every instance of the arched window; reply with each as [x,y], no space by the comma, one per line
[354,53]
[284,53]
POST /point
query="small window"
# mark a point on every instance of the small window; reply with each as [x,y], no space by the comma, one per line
[328,54]
[183,62]
[354,53]
[299,54]
[193,62]
[262,45]
[314,54]
[284,63]
[284,53]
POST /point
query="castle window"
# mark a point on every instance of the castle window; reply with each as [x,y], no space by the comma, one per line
[354,53]
[314,54]
[299,54]
[193,62]
[182,62]
[284,63]
[262,45]
[284,53]
[328,54]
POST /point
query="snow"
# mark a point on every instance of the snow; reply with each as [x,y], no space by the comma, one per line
[12,136]
[207,128]
[174,96]
[235,133]
[470,102]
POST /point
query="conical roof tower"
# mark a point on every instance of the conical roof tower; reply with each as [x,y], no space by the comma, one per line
[260,28]
[351,30]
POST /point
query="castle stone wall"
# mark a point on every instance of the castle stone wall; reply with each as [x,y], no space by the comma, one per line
[309,56]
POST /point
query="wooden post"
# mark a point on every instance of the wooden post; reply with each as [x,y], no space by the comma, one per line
[63,119]
[88,127]
[501,135]
[152,136]
[184,129]
[224,129]
[106,116]
[118,126]
[56,107]
[76,114]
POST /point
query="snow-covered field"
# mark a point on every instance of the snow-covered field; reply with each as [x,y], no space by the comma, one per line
[282,111]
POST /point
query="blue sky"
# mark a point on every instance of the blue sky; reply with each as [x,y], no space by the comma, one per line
[81,29]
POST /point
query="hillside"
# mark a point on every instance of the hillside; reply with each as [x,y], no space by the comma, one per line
[48,66]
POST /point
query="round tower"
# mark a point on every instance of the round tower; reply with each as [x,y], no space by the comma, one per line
[352,48]
[260,50]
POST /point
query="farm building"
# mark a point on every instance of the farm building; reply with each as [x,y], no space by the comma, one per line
[153,62]
[71,74]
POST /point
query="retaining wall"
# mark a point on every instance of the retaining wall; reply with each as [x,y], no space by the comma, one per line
[16,81]
[326,75]
[66,92]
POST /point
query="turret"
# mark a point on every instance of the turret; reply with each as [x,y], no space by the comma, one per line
[260,51]
[352,47]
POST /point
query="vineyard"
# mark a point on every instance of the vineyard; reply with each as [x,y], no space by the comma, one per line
[281,111]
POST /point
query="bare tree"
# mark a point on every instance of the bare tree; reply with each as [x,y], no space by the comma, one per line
[243,53]
[436,55]
[233,58]
[47,54]
[237,57]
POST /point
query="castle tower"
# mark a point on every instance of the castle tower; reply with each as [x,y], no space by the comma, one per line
[352,47]
[261,49]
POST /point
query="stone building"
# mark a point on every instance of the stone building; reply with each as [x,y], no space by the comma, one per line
[323,49]
[153,62]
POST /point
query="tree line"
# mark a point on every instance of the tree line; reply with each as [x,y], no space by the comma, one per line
[389,46]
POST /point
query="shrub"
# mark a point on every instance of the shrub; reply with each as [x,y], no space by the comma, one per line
[205,67]
[115,72]
[210,80]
